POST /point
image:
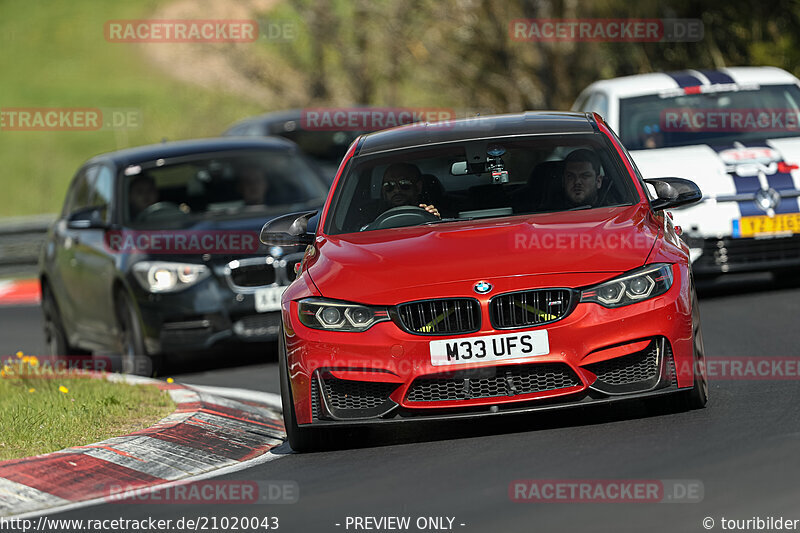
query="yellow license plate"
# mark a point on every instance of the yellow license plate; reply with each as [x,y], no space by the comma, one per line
[785,224]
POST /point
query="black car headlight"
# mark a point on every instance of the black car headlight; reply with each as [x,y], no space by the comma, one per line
[634,286]
[334,315]
[162,276]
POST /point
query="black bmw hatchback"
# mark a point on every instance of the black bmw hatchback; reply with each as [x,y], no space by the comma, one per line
[156,249]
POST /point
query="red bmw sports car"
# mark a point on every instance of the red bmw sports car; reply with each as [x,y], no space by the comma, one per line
[485,266]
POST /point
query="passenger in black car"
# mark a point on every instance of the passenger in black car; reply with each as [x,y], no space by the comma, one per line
[252,185]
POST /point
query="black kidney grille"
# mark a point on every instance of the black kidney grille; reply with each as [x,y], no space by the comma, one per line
[346,394]
[441,317]
[530,308]
[628,369]
[253,275]
[506,381]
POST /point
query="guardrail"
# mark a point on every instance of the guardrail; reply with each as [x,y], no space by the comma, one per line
[21,239]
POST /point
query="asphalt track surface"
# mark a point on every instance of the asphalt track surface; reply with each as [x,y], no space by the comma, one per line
[743,447]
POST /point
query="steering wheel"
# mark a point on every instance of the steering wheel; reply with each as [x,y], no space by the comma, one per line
[159,210]
[401,216]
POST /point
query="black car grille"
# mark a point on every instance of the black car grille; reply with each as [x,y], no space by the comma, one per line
[256,275]
[314,398]
[346,394]
[505,381]
[730,255]
[633,368]
[440,317]
[258,325]
[530,308]
[672,377]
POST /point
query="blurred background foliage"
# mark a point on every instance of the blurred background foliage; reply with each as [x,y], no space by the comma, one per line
[458,53]
[428,53]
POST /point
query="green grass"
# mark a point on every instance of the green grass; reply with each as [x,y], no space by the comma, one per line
[54,54]
[36,417]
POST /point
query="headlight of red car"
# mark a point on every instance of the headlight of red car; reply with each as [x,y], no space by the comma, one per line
[634,286]
[334,315]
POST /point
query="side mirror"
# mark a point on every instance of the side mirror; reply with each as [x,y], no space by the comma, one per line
[288,230]
[87,218]
[674,192]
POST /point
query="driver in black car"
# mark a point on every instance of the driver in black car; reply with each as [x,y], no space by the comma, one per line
[142,194]
[402,185]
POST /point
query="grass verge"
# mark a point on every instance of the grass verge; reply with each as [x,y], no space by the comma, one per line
[45,414]
[55,55]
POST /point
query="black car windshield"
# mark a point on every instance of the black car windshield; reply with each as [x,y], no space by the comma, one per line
[210,185]
[679,119]
[504,177]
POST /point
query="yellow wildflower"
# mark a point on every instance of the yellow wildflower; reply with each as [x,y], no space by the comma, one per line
[63,389]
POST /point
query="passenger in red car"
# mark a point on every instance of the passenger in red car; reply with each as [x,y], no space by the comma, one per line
[582,178]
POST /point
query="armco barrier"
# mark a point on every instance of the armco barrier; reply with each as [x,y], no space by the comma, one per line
[21,240]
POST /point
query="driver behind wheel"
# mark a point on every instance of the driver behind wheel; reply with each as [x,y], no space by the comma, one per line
[402,185]
[142,194]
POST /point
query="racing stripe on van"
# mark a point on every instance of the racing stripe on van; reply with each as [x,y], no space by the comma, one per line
[684,78]
[780,181]
[716,77]
[742,185]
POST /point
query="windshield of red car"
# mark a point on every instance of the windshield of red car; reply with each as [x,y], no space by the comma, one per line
[506,177]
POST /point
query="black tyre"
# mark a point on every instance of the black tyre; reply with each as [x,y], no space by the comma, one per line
[697,396]
[134,358]
[54,334]
[300,439]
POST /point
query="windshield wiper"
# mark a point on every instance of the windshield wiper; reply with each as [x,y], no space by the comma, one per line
[456,219]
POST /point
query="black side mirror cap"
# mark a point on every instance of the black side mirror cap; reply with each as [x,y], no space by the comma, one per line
[674,192]
[288,230]
[87,218]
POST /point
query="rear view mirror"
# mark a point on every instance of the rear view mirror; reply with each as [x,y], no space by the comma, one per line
[459,168]
[288,230]
[674,192]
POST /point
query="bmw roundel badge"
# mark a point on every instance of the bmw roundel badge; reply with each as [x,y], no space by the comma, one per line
[482,287]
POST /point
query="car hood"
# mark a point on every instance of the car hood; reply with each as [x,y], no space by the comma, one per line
[389,266]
